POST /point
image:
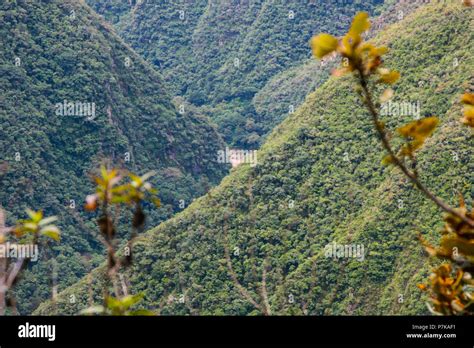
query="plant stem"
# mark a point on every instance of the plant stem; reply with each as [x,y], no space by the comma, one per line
[386,144]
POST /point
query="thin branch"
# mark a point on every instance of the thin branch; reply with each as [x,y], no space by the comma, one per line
[3,266]
[13,274]
[3,288]
[386,144]
[124,284]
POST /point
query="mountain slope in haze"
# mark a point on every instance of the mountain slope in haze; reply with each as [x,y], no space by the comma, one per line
[60,52]
[286,91]
[319,181]
[219,54]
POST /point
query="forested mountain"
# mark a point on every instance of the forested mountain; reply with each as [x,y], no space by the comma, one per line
[286,91]
[219,54]
[319,180]
[72,94]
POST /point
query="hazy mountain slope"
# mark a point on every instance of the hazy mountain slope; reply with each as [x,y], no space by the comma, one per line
[287,90]
[113,10]
[56,52]
[319,180]
[219,54]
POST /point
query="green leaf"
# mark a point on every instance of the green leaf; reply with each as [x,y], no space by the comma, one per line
[112,303]
[103,171]
[52,232]
[30,226]
[130,300]
[48,220]
[35,216]
[142,312]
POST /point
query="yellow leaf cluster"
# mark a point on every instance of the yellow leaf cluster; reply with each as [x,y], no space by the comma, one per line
[390,77]
[37,225]
[108,189]
[418,131]
[450,289]
[448,296]
[468,100]
[356,54]
[323,44]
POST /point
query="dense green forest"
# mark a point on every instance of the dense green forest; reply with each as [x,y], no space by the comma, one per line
[60,52]
[319,180]
[222,55]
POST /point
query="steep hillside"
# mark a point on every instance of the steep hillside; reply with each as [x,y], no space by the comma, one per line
[59,52]
[219,54]
[319,180]
[287,90]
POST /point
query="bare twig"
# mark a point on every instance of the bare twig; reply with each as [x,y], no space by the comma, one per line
[124,284]
[13,273]
[3,267]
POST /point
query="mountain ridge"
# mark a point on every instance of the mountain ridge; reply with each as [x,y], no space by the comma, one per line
[319,180]
[117,108]
[223,52]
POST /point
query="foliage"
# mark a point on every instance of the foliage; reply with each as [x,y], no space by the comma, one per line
[37,226]
[219,55]
[53,51]
[468,119]
[451,286]
[33,231]
[121,307]
[110,192]
[318,181]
